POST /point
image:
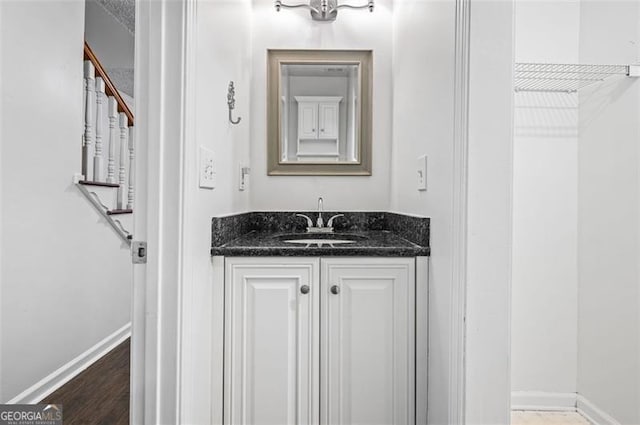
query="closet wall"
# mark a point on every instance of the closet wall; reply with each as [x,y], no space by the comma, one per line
[609,216]
[545,282]
[576,282]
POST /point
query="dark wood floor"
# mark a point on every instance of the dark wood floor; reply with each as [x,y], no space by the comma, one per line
[100,394]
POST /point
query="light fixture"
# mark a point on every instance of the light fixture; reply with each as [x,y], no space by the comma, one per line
[324,10]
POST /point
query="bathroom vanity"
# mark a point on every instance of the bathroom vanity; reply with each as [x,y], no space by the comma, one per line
[324,327]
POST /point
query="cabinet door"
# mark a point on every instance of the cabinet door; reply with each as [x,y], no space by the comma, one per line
[328,120]
[367,341]
[271,341]
[307,120]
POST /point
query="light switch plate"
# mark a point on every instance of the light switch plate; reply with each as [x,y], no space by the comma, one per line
[422,173]
[244,176]
[207,169]
[634,71]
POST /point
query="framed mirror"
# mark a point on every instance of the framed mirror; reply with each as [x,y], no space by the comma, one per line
[319,112]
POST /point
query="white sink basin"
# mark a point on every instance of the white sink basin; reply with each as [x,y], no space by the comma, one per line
[318,241]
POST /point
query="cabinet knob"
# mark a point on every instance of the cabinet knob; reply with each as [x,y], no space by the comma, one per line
[304,289]
[335,290]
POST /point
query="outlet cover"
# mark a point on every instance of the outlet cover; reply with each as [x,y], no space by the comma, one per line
[207,169]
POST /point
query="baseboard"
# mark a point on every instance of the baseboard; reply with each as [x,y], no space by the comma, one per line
[544,401]
[58,378]
[593,413]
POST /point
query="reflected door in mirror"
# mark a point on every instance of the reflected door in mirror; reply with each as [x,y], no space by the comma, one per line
[318,128]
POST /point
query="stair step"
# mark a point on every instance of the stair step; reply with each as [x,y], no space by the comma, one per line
[116,212]
[102,184]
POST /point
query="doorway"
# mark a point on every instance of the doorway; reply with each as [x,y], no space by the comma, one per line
[575,290]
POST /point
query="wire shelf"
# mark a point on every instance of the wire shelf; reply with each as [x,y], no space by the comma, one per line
[564,78]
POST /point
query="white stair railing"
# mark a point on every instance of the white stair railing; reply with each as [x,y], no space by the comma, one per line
[97,156]
[113,118]
[131,175]
[124,145]
[115,126]
[89,108]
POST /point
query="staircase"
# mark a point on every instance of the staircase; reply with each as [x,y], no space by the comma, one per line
[107,179]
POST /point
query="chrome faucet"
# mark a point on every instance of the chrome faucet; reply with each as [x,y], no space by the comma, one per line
[320,222]
[320,226]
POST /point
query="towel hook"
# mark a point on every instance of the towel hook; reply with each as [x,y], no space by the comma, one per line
[231,102]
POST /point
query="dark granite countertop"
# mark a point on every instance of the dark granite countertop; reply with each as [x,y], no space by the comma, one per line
[372,234]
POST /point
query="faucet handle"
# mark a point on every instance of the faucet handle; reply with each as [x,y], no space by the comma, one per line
[309,221]
[330,222]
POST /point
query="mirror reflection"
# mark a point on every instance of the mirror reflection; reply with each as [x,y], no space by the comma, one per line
[320,110]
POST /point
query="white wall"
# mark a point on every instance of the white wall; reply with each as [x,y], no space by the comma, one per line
[609,230]
[66,276]
[294,29]
[112,43]
[545,191]
[423,72]
[223,46]
[222,54]
[545,287]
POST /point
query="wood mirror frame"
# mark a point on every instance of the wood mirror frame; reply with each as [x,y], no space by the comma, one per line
[276,58]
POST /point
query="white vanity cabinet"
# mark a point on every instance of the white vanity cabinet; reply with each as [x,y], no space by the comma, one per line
[318,126]
[320,341]
[271,341]
[367,341]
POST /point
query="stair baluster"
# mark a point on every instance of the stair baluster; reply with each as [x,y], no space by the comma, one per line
[111,162]
[113,126]
[97,157]
[90,103]
[131,176]
[124,132]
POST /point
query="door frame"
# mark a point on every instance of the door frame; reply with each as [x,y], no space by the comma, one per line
[165,55]
[458,294]
[488,241]
[164,88]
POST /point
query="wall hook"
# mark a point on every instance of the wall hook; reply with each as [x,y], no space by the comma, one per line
[231,102]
